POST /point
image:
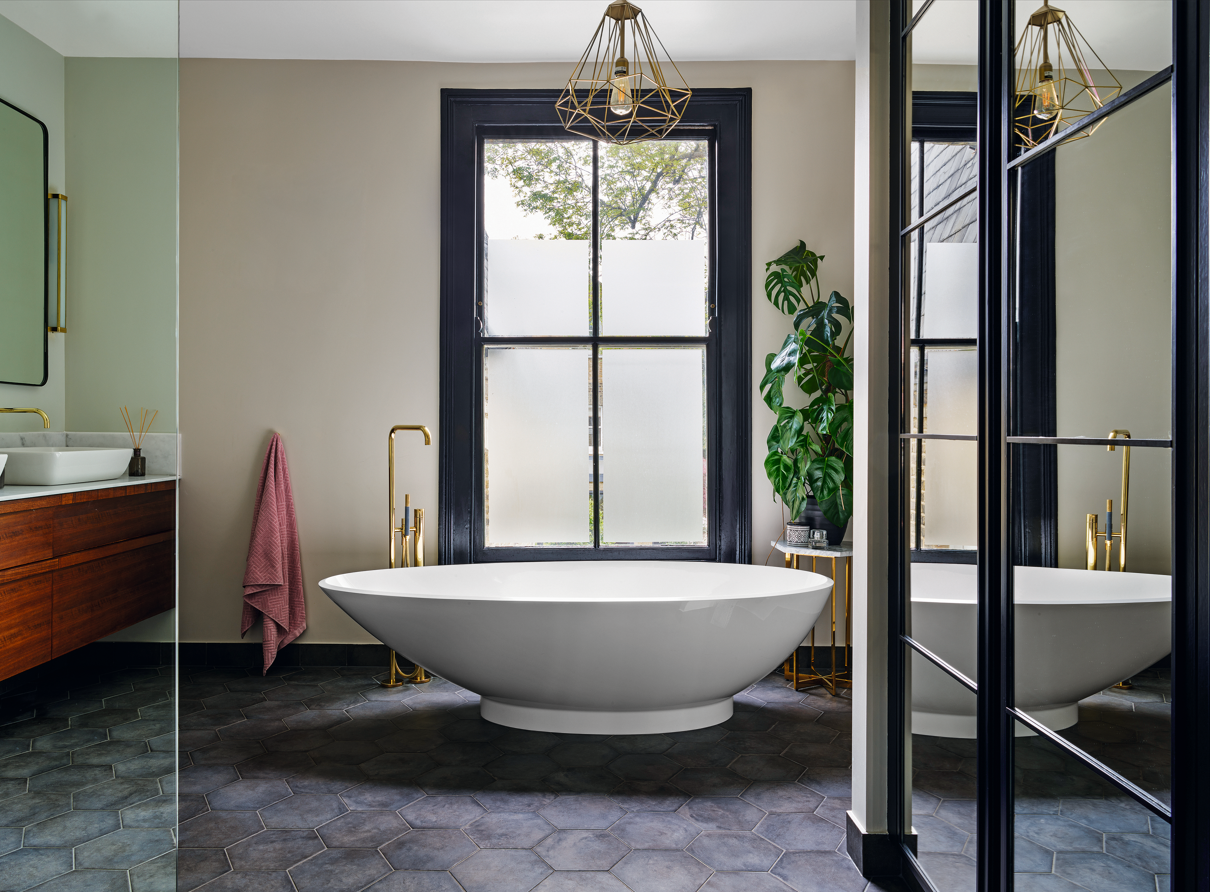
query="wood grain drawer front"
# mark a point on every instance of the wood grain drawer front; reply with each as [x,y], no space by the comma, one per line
[25,623]
[25,537]
[87,525]
[97,598]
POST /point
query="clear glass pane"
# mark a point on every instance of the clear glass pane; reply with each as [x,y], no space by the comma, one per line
[1079,828]
[538,445]
[941,768]
[949,170]
[948,294]
[1113,267]
[537,221]
[1100,50]
[654,216]
[653,445]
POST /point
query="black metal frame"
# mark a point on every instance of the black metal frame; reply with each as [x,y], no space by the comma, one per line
[45,250]
[1005,433]
[722,116]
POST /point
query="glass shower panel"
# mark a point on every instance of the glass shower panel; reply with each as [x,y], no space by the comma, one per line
[941,760]
[537,222]
[1074,829]
[654,218]
[653,445]
[538,445]
[1112,276]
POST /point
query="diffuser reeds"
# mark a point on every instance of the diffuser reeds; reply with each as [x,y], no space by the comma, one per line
[145,420]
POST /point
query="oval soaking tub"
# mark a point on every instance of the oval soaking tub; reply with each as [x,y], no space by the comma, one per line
[1077,632]
[590,647]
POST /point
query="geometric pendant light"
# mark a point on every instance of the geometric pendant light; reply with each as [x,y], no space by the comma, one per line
[625,88]
[1055,85]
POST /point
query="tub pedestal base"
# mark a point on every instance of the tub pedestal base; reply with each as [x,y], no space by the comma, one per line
[935,724]
[596,721]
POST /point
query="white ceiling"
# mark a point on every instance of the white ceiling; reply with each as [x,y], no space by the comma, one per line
[508,30]
[1128,34]
[99,27]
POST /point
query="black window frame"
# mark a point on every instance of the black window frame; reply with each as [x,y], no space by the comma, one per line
[468,117]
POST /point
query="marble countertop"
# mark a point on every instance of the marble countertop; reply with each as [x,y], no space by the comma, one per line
[845,549]
[8,493]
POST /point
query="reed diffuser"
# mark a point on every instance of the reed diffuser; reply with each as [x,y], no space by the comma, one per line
[138,462]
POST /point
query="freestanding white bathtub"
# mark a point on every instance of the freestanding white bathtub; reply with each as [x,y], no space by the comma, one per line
[1077,633]
[591,647]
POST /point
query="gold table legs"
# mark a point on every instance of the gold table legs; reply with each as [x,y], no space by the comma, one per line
[398,678]
[836,677]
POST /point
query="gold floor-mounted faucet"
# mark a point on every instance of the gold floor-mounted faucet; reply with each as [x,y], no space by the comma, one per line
[411,533]
[45,418]
[1092,535]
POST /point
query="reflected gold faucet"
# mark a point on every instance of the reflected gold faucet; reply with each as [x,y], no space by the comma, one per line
[45,419]
[408,529]
[1091,533]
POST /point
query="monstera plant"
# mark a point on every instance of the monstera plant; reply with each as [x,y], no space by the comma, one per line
[810,448]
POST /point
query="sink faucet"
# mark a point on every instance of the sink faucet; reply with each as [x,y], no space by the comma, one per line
[45,419]
[1092,535]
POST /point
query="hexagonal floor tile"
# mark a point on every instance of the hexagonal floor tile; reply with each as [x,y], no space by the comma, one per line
[274,850]
[362,829]
[429,850]
[339,870]
[303,811]
[501,870]
[509,830]
[582,850]
[655,830]
[734,850]
[586,811]
[443,812]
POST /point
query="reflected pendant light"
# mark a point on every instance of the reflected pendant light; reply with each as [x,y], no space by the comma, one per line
[620,98]
[1055,86]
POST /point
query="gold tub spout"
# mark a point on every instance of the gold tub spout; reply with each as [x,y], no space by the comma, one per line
[45,418]
[1125,510]
[411,528]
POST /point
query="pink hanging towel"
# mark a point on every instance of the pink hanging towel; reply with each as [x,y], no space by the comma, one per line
[273,583]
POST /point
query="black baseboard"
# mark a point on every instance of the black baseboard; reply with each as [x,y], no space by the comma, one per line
[875,854]
[249,655]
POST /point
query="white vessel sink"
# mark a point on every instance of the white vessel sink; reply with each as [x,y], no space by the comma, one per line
[55,465]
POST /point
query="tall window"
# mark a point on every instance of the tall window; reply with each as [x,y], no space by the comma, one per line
[595,336]
[595,311]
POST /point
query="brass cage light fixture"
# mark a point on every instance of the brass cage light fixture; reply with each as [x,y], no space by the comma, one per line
[1055,85]
[620,99]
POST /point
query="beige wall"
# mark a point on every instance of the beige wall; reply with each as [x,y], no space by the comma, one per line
[310,203]
[1114,324]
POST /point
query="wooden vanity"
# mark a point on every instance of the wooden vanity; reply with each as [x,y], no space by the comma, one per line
[77,566]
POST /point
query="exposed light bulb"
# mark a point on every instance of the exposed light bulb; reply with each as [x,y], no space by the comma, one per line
[621,99]
[1046,95]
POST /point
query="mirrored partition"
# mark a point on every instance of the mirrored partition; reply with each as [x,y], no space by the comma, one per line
[1038,580]
[88,325]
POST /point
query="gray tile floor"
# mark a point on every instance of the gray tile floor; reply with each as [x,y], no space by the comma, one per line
[1074,832]
[321,781]
[87,797]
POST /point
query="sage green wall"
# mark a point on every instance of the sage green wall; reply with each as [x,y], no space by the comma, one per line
[121,143]
[31,78]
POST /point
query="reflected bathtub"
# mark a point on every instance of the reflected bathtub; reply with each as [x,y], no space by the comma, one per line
[1077,632]
[591,647]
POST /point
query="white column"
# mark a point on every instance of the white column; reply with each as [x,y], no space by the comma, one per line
[872,354]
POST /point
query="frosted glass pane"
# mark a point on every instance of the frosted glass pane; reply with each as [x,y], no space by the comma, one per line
[951,290]
[949,514]
[654,210]
[537,445]
[951,391]
[537,221]
[653,442]
[536,287]
[653,287]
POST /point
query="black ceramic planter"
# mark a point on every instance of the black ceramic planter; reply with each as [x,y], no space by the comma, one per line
[813,515]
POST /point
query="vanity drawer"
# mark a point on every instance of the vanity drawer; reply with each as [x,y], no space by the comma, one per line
[91,524]
[25,537]
[96,598]
[25,635]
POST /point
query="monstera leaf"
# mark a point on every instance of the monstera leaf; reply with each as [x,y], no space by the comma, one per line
[789,275]
[821,320]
